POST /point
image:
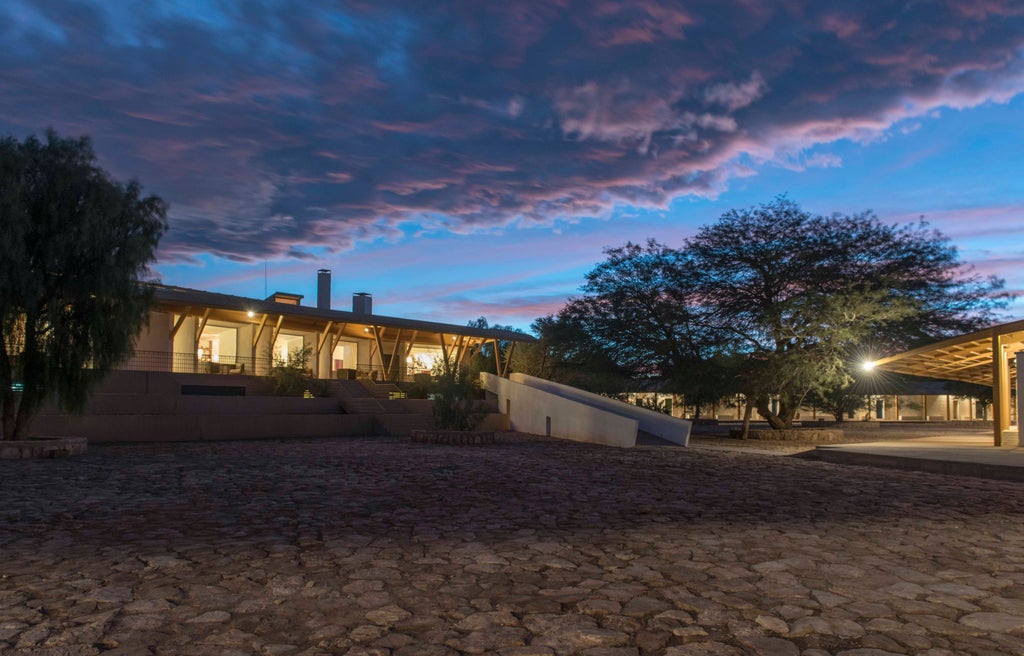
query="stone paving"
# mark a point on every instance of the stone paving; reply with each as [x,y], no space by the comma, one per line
[528,547]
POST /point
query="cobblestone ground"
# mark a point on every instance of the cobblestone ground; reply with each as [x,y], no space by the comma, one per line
[527,547]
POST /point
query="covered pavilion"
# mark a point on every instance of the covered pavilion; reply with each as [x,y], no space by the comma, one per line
[991,357]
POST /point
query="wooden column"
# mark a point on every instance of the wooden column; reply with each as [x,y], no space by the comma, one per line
[202,326]
[444,353]
[508,360]
[392,373]
[377,336]
[1020,398]
[1000,390]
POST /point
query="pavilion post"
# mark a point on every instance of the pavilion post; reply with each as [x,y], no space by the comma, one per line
[1000,390]
[1020,398]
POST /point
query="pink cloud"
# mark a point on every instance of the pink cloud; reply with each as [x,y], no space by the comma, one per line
[276,131]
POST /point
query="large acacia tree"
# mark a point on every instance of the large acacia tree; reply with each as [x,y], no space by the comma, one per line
[74,248]
[798,294]
[772,302]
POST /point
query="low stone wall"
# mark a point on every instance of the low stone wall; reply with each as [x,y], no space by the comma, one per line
[43,447]
[453,437]
[791,434]
[970,423]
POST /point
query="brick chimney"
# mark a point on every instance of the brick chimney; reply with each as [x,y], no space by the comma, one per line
[362,303]
[323,289]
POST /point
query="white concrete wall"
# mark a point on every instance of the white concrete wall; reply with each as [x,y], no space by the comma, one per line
[542,412]
[656,423]
[185,343]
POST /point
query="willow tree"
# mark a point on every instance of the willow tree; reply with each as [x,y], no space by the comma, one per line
[74,247]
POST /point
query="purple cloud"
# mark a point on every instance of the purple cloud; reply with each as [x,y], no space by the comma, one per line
[275,131]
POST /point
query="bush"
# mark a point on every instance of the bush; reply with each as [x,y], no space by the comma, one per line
[293,378]
[454,395]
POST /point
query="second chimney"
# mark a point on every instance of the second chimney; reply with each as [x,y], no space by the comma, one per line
[362,303]
[323,289]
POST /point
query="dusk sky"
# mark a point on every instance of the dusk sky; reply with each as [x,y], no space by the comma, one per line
[459,159]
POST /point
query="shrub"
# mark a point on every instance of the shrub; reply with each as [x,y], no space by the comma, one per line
[293,378]
[454,394]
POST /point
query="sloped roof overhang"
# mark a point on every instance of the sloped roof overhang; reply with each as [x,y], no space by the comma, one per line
[238,307]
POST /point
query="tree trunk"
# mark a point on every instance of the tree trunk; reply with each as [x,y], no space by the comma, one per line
[31,390]
[8,398]
[10,401]
[748,410]
[787,413]
[774,420]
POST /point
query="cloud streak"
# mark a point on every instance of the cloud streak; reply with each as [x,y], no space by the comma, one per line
[274,132]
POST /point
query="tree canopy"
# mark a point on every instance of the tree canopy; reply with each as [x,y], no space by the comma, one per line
[74,248]
[772,302]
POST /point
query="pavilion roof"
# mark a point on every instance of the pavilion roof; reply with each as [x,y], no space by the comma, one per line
[966,358]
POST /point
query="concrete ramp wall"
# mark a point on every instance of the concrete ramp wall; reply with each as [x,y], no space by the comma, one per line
[660,425]
[540,412]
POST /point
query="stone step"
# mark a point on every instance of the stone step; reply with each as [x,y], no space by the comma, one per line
[378,390]
[362,406]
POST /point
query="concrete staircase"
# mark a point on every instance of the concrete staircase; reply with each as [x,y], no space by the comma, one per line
[379,390]
[391,416]
[355,398]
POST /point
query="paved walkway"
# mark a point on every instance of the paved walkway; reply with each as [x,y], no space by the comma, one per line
[966,454]
[373,546]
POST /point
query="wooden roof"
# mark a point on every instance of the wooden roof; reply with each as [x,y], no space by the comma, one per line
[235,308]
[967,357]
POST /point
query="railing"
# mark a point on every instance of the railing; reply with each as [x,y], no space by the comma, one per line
[191,363]
[234,364]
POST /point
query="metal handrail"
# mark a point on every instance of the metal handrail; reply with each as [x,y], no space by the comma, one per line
[178,362]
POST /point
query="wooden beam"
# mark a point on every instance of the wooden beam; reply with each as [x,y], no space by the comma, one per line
[412,340]
[202,325]
[337,337]
[444,351]
[394,356]
[259,330]
[179,322]
[1000,390]
[408,350]
[497,358]
[460,351]
[323,337]
[508,360]
[277,331]
[380,351]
